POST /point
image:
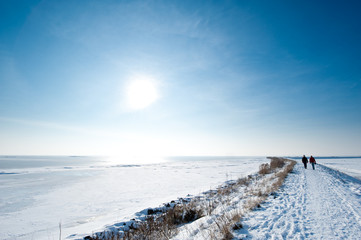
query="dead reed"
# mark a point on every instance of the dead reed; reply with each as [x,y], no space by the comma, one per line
[163,224]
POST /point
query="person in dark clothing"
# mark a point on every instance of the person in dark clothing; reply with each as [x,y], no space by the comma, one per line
[305,161]
[313,162]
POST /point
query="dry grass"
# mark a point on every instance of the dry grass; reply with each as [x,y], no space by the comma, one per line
[157,225]
[264,169]
[153,228]
[282,167]
[223,223]
[163,225]
[253,203]
[277,162]
[257,194]
[280,175]
[244,181]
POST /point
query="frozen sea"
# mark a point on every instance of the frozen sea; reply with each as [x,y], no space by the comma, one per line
[351,165]
[84,194]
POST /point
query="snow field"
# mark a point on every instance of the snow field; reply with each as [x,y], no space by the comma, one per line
[90,197]
[313,204]
[227,216]
[349,165]
[210,215]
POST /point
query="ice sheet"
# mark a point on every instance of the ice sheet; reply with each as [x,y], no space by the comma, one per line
[348,165]
[84,198]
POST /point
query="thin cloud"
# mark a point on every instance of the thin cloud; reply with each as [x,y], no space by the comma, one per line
[58,126]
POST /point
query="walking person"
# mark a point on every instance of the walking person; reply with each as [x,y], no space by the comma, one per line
[313,162]
[305,161]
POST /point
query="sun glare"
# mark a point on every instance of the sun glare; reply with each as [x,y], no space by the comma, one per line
[141,93]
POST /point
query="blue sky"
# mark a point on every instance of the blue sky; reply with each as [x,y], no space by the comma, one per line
[213,77]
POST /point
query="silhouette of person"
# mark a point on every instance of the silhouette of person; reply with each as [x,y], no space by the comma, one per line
[304,160]
[313,162]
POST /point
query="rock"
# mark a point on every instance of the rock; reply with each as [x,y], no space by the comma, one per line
[150,211]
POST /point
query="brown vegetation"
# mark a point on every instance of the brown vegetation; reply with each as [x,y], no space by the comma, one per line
[162,224]
[259,194]
[264,169]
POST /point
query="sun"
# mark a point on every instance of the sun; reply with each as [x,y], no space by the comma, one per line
[141,93]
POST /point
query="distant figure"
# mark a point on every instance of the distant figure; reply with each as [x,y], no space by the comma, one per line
[313,162]
[305,161]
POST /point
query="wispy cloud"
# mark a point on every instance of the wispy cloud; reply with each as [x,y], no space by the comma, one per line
[53,125]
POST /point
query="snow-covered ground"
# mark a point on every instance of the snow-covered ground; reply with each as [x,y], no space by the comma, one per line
[313,204]
[350,165]
[231,207]
[85,195]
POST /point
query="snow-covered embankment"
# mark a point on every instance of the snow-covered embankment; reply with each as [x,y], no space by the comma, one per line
[215,214]
[313,204]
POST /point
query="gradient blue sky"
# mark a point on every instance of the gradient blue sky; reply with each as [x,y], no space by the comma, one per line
[232,77]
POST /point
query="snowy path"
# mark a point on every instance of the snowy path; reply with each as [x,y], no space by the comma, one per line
[320,204]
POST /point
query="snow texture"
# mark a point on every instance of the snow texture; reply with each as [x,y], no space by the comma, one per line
[88,196]
[233,206]
[313,204]
[349,165]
